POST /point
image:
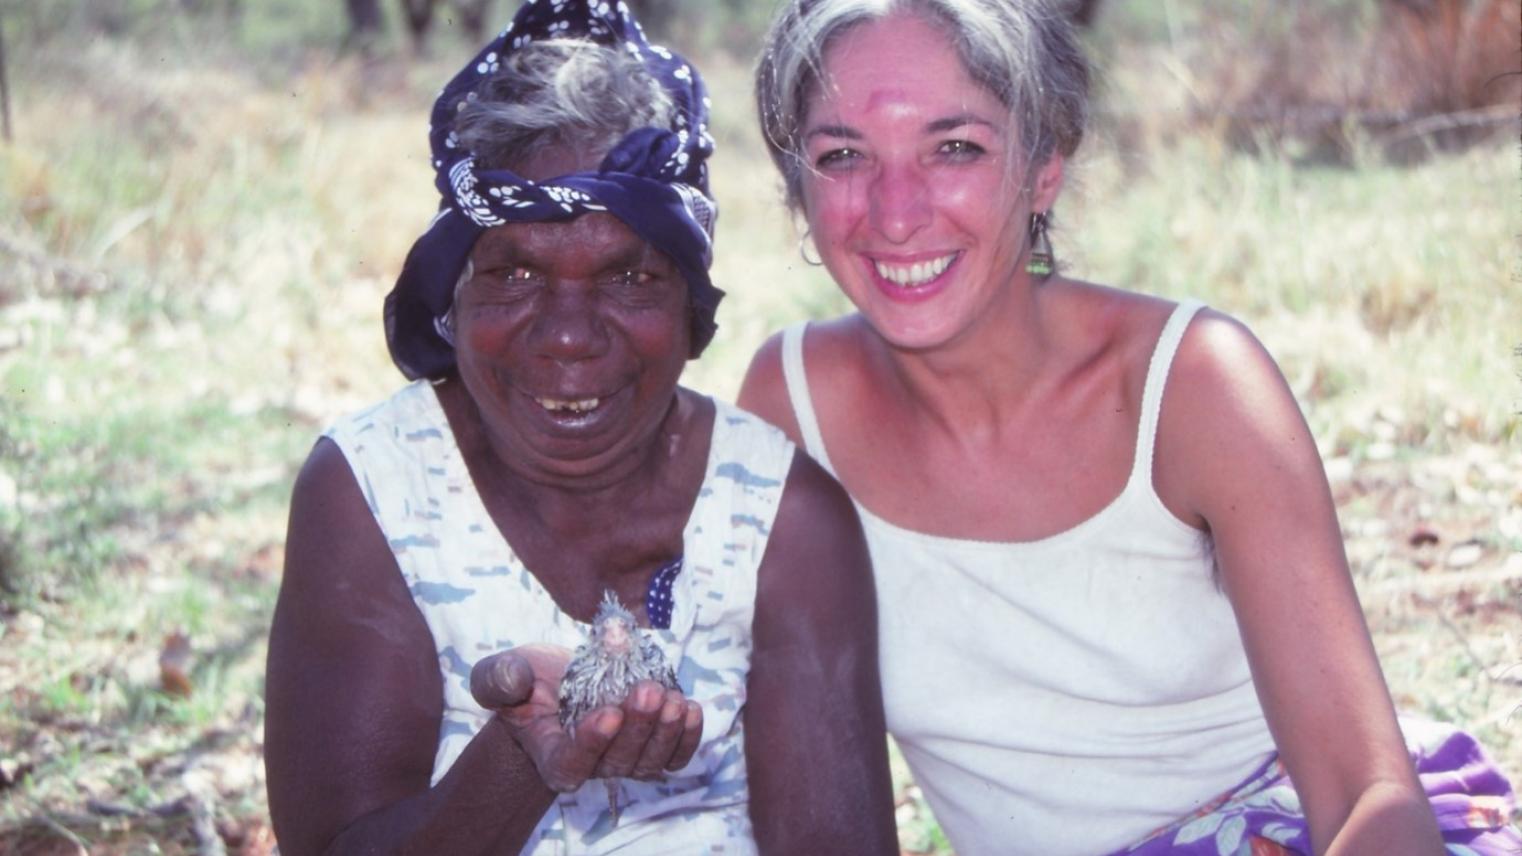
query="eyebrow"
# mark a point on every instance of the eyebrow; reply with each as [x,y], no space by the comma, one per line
[844,132]
[950,123]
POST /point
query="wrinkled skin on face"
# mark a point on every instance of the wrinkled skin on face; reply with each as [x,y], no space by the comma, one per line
[571,338]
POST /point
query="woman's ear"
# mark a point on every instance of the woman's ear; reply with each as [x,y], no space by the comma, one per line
[1047,183]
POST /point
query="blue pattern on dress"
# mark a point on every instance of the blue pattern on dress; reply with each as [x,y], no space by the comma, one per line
[476,594]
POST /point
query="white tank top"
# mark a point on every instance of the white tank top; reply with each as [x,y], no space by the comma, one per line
[1068,695]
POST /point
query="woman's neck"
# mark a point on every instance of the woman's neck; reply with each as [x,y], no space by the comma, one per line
[560,502]
[976,382]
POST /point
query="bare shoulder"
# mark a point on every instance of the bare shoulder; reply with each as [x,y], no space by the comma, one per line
[1230,423]
[813,499]
[1104,331]
[340,573]
[828,348]
[326,485]
[332,531]
[1222,368]
[764,390]
[1218,355]
[817,542]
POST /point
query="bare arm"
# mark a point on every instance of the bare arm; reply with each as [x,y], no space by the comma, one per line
[355,700]
[815,745]
[1235,449]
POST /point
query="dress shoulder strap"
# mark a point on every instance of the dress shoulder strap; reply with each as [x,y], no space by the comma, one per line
[1157,379]
[797,381]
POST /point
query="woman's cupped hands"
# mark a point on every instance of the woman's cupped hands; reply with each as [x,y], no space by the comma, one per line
[654,730]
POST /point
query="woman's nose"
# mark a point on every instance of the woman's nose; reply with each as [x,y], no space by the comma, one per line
[900,203]
[569,327]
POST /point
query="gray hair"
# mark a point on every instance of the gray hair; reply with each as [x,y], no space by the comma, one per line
[560,93]
[1025,52]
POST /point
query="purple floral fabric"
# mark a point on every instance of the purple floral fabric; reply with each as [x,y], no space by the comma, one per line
[1471,798]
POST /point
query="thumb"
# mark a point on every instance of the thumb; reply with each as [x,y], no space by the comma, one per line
[501,680]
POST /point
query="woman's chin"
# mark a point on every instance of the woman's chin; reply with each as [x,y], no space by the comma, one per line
[569,444]
[912,329]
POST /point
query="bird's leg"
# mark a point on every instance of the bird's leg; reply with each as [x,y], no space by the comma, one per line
[612,786]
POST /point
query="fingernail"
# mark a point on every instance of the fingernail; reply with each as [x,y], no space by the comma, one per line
[607,724]
[647,698]
[671,712]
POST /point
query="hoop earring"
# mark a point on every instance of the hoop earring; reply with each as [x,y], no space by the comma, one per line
[803,249]
[1041,262]
[444,326]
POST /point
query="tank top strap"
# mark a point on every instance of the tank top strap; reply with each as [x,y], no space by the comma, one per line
[797,381]
[1157,379]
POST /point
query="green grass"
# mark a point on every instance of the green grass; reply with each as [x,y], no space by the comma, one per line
[208,235]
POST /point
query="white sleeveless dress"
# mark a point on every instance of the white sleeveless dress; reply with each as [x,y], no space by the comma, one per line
[1068,695]
[478,598]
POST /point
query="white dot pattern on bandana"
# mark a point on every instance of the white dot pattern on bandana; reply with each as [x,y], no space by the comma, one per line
[655,178]
[675,159]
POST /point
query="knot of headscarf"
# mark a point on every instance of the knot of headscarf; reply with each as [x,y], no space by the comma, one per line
[655,180]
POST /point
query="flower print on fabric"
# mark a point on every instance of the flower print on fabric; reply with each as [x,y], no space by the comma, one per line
[1470,798]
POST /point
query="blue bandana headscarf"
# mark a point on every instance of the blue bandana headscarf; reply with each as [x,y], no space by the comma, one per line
[655,180]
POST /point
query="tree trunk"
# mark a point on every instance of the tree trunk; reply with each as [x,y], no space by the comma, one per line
[365,24]
[419,18]
[473,15]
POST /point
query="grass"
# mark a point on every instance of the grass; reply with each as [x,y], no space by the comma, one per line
[194,245]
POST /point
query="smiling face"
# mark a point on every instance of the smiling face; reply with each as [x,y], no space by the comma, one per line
[570,339]
[910,195]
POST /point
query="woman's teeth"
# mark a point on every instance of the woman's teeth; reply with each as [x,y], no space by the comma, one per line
[917,274]
[579,406]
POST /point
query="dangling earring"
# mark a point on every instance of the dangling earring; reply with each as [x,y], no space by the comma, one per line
[1041,262]
[803,249]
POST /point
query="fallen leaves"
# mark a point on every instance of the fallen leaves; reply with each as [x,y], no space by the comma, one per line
[174,665]
[12,771]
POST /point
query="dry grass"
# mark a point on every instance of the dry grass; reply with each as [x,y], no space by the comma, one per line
[193,251]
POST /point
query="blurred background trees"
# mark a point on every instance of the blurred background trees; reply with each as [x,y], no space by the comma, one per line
[1320,77]
[205,202]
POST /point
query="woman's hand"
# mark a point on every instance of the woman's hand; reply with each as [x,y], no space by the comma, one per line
[653,731]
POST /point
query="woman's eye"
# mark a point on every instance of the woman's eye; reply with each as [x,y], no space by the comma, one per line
[505,280]
[836,159]
[962,150]
[632,277]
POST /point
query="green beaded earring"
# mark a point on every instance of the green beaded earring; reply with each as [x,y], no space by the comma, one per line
[1041,262]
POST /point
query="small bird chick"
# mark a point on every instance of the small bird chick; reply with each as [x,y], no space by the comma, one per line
[606,667]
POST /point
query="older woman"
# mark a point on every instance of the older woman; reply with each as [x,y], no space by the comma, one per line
[545,457]
[1111,588]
